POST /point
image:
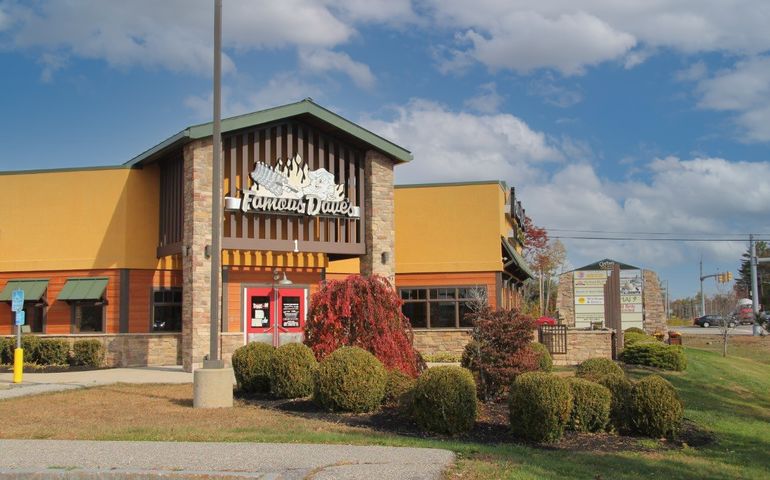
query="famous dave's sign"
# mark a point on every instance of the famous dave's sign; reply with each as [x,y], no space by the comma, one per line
[291,188]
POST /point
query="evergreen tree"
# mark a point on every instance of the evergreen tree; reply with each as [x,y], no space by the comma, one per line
[743,282]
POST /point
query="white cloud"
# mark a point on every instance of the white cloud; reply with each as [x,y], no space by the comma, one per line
[283,88]
[699,195]
[459,146]
[569,35]
[487,101]
[745,90]
[553,93]
[322,60]
[693,73]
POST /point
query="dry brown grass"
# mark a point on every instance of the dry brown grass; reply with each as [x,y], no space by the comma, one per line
[155,412]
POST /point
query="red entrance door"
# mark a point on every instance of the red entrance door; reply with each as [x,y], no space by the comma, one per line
[275,315]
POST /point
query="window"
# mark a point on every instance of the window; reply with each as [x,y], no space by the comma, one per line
[89,316]
[167,310]
[442,307]
[33,312]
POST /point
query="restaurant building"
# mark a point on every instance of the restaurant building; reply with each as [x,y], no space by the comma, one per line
[121,253]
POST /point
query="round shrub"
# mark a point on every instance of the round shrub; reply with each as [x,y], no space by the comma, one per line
[544,360]
[350,379]
[539,406]
[31,346]
[590,406]
[88,353]
[7,346]
[632,338]
[660,355]
[620,392]
[444,400]
[593,368]
[251,364]
[655,408]
[634,330]
[292,373]
[397,387]
[52,351]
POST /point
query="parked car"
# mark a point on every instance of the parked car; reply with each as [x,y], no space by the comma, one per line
[545,321]
[713,320]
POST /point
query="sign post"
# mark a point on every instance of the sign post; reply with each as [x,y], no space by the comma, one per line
[17,305]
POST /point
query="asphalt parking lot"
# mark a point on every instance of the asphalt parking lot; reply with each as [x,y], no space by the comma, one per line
[739,330]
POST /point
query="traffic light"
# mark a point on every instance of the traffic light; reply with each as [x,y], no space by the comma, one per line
[721,277]
[729,276]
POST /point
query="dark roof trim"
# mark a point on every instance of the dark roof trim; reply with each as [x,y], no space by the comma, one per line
[501,183]
[306,106]
[63,170]
[598,265]
[516,259]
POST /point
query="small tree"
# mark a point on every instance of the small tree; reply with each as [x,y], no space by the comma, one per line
[500,349]
[361,312]
[723,308]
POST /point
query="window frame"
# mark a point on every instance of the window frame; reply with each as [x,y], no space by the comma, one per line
[428,300]
[75,304]
[153,304]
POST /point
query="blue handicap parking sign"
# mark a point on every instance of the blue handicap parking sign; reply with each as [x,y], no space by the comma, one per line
[20,317]
[17,300]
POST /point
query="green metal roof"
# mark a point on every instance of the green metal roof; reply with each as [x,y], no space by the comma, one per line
[33,289]
[517,258]
[306,106]
[88,288]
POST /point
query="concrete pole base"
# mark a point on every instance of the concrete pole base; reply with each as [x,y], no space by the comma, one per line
[213,388]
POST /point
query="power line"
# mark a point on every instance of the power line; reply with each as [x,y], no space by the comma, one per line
[659,239]
[647,233]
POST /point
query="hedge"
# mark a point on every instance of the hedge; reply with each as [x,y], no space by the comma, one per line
[350,379]
[539,406]
[88,353]
[655,409]
[292,373]
[594,368]
[634,330]
[444,400]
[590,406]
[52,351]
[251,364]
[620,397]
[632,338]
[660,355]
[544,359]
[398,387]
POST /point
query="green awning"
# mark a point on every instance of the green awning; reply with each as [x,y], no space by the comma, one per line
[515,259]
[33,289]
[83,288]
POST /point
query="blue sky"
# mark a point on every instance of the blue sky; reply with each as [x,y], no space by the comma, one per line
[606,115]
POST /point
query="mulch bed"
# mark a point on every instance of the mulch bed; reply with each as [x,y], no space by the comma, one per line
[491,427]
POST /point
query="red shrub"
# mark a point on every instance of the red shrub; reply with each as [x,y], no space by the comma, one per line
[500,349]
[363,312]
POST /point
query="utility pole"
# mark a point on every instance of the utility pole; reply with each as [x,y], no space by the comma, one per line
[702,298]
[754,289]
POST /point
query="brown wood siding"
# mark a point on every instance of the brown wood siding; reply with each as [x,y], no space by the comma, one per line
[260,275]
[243,149]
[486,279]
[59,313]
[171,212]
[142,283]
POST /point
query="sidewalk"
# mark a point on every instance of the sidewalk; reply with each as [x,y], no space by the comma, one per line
[34,383]
[62,459]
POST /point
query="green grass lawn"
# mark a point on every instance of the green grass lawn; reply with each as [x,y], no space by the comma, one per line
[729,397]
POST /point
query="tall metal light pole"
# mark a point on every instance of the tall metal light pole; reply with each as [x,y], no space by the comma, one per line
[216,190]
[702,298]
[753,263]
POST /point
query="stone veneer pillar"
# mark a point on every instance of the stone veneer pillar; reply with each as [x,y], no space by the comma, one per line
[565,302]
[196,268]
[379,217]
[652,301]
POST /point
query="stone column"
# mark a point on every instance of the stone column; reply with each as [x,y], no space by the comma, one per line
[652,303]
[196,268]
[566,299]
[379,217]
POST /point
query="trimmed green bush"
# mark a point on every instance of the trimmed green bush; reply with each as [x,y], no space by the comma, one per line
[444,400]
[544,360]
[293,371]
[350,379]
[539,406]
[660,355]
[655,408]
[7,346]
[251,364]
[632,338]
[52,351]
[397,387]
[31,346]
[590,406]
[594,368]
[634,330]
[620,392]
[88,353]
